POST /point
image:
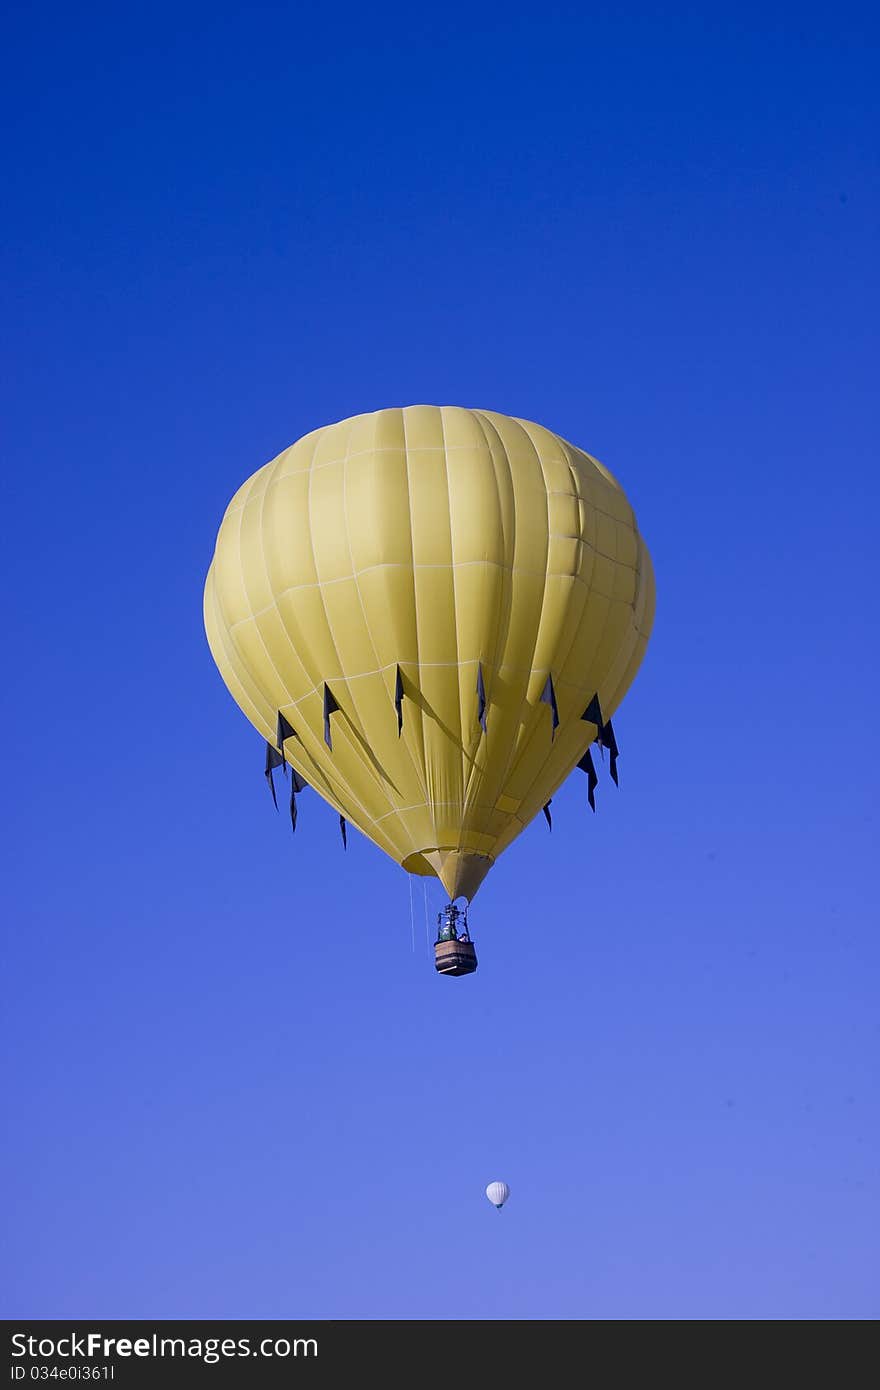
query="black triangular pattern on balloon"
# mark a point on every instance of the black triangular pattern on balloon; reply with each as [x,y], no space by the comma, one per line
[548,697]
[593,713]
[343,832]
[273,760]
[586,765]
[398,700]
[605,737]
[546,810]
[608,740]
[284,730]
[481,697]
[330,707]
[297,785]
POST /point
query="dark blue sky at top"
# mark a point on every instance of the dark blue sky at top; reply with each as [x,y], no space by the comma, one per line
[234,1088]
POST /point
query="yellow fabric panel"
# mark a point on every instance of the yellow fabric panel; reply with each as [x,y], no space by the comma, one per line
[438,539]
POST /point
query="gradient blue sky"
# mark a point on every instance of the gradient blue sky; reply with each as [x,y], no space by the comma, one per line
[653,229]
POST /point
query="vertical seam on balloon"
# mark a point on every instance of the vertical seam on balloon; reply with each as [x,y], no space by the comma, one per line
[471,770]
[604,694]
[641,638]
[417,710]
[264,722]
[578,494]
[520,749]
[515,745]
[561,664]
[253,616]
[526,745]
[506,606]
[565,766]
[281,680]
[328,778]
[429,777]
[342,733]
[504,626]
[227,651]
[558,779]
[237,666]
[241,567]
[407,833]
[500,780]
[313,767]
[454,613]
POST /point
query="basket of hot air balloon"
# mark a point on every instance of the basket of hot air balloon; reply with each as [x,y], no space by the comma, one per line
[430,614]
[454,952]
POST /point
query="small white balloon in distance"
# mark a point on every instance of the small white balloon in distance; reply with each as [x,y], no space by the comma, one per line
[498,1193]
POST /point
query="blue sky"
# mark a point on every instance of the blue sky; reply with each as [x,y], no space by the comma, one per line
[655,231]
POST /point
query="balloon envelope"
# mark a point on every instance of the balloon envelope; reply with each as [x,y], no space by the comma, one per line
[431,597]
[498,1193]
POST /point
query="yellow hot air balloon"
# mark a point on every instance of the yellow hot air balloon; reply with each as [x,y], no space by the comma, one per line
[445,608]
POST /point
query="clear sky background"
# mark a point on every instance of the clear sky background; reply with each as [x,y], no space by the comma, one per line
[653,229]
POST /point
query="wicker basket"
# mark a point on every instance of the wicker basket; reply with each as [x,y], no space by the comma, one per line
[455,957]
